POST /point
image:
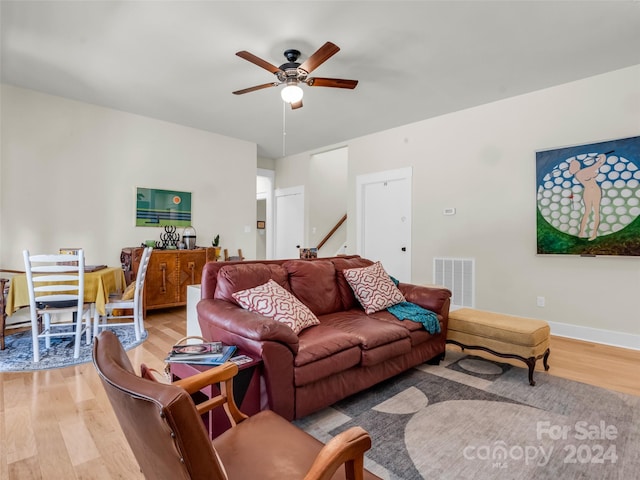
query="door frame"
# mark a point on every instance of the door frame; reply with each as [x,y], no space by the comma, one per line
[268,196]
[379,177]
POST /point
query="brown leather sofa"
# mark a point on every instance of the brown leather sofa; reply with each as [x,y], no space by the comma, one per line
[347,352]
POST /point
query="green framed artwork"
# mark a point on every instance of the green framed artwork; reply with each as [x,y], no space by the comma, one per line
[159,208]
[588,199]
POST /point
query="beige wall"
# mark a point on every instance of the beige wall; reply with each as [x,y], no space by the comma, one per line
[481,161]
[96,157]
[324,176]
[327,196]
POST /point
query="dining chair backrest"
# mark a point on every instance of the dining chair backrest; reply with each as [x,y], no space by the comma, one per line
[54,280]
[118,308]
[56,287]
[140,277]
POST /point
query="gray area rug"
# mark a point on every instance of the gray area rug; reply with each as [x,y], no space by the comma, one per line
[18,353]
[469,418]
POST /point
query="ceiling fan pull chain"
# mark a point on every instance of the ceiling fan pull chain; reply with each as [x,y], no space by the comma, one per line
[284,130]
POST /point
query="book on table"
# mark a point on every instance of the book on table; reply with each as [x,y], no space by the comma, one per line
[196,348]
[203,358]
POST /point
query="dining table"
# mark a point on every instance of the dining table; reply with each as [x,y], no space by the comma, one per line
[99,283]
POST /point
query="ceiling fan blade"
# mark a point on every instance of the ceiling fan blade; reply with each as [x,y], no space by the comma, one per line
[258,61]
[296,105]
[321,55]
[331,82]
[257,87]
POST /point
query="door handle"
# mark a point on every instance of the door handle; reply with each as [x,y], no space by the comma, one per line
[404,249]
[297,246]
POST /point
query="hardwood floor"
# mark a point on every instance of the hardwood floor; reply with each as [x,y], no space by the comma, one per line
[593,363]
[58,424]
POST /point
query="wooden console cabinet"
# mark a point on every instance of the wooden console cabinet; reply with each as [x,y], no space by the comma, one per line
[168,274]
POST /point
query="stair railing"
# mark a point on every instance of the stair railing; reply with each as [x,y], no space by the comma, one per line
[333,230]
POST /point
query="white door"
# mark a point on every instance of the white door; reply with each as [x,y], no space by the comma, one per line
[384,220]
[289,215]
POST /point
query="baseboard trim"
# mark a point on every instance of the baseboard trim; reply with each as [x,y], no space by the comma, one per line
[596,335]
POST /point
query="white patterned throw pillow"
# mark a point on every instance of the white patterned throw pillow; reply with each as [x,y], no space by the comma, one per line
[274,301]
[373,287]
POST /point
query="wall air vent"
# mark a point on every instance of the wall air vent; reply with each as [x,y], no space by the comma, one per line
[458,275]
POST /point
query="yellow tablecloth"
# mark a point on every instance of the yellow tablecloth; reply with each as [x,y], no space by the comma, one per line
[97,287]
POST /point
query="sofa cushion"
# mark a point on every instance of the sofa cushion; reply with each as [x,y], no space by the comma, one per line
[378,339]
[327,366]
[234,278]
[371,333]
[324,351]
[323,341]
[314,284]
[416,329]
[373,287]
[273,301]
[349,300]
[385,352]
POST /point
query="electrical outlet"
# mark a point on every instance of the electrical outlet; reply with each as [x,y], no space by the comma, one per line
[540,301]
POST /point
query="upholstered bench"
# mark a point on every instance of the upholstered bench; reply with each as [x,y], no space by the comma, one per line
[506,336]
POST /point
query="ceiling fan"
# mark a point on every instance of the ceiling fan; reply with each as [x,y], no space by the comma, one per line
[293,73]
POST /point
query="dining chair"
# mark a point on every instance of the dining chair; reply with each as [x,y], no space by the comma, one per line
[233,258]
[118,307]
[166,433]
[56,288]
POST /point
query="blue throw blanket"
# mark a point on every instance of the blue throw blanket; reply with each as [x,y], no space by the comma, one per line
[415,313]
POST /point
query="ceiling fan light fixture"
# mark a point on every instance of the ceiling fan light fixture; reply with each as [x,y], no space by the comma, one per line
[291,74]
[292,94]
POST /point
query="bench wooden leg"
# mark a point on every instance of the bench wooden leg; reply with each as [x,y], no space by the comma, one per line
[530,362]
[545,359]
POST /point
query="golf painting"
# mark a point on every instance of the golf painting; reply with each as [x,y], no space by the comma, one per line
[588,199]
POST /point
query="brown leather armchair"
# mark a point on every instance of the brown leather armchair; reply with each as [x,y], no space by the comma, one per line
[168,438]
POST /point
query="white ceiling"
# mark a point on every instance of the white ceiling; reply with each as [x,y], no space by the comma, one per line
[175,60]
